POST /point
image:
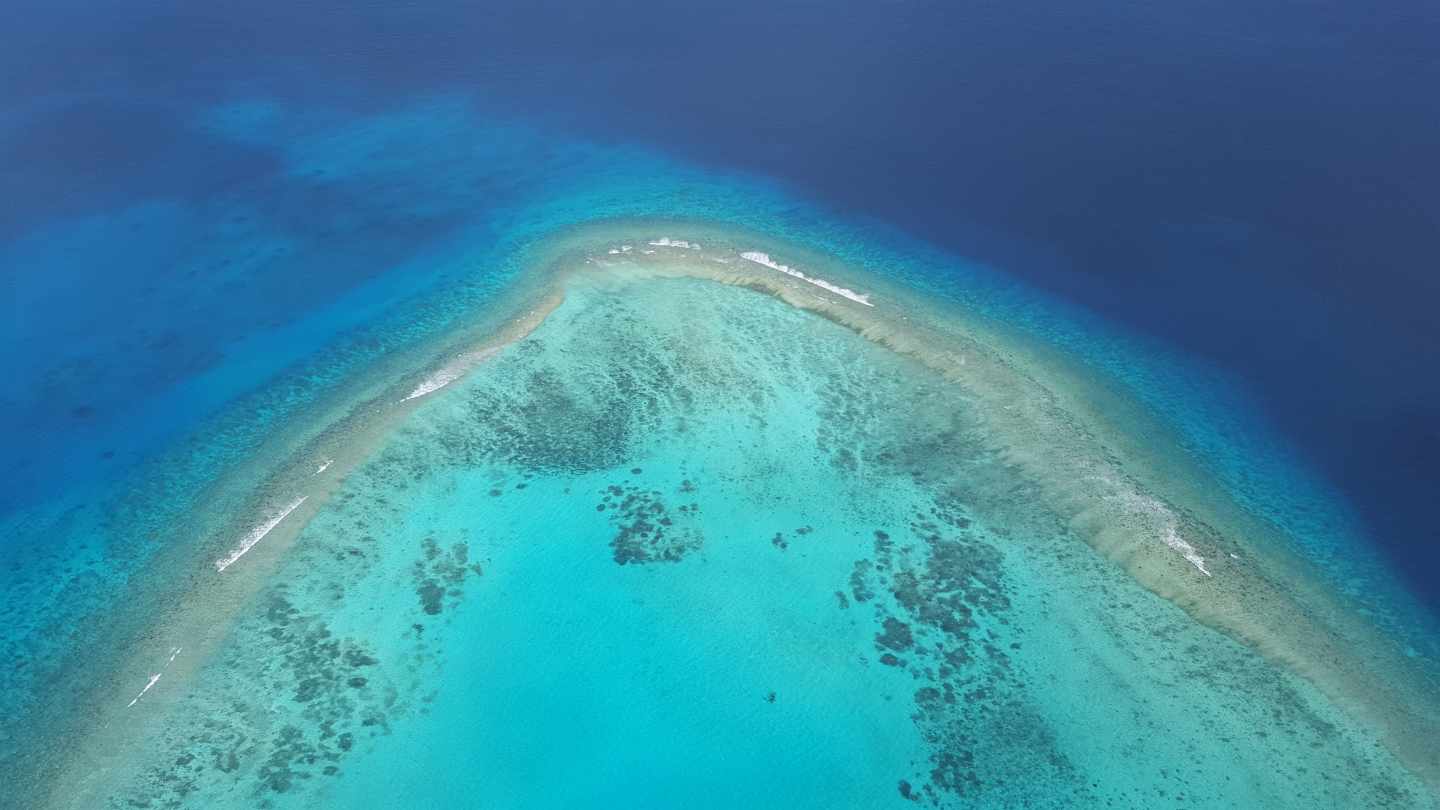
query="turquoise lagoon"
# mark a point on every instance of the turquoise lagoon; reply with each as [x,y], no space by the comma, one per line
[605,501]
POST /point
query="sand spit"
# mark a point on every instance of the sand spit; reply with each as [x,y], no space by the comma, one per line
[1173,533]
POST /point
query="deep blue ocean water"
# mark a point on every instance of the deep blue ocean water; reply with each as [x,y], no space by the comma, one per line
[212,215]
[1253,183]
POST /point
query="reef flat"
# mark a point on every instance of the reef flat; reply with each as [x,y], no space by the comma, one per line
[690,503]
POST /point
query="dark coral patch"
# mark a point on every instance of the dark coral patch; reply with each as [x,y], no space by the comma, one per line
[942,594]
[646,532]
[860,589]
[440,573]
[432,596]
[896,635]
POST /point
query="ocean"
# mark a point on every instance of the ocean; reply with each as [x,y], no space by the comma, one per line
[804,405]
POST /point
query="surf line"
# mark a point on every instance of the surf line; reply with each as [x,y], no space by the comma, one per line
[666,241]
[1143,506]
[451,372]
[154,679]
[257,534]
[764,260]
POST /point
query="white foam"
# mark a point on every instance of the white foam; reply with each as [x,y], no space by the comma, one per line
[451,372]
[1173,540]
[257,534]
[764,259]
[666,241]
[432,384]
[154,679]
[1146,507]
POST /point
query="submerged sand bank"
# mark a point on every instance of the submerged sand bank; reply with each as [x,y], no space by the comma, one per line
[1169,525]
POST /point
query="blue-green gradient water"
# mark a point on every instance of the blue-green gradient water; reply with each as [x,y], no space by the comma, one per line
[420,476]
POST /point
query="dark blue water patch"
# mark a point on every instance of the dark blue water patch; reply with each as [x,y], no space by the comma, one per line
[113,313]
[91,155]
[1252,182]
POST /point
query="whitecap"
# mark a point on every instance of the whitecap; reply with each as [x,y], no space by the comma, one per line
[1148,508]
[257,534]
[765,260]
[666,241]
[154,679]
[450,373]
